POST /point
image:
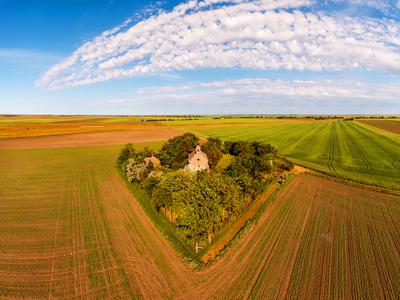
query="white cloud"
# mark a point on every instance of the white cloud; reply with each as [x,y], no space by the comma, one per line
[262,88]
[258,34]
[26,55]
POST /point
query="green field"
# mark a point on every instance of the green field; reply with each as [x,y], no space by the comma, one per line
[344,149]
[70,229]
[201,121]
[55,224]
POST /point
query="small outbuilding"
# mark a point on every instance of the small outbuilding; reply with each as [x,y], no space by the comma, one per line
[154,160]
[198,160]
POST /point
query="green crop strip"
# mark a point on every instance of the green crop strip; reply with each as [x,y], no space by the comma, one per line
[338,148]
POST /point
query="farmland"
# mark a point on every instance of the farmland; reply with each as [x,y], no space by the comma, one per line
[90,139]
[344,149]
[71,229]
[54,238]
[388,125]
[35,126]
[200,149]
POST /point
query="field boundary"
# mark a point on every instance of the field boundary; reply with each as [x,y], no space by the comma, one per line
[364,186]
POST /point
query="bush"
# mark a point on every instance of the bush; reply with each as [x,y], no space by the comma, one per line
[150,183]
[137,171]
[129,152]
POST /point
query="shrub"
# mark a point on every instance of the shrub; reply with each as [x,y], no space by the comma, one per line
[129,152]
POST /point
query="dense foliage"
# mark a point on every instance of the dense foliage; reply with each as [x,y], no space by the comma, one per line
[129,152]
[200,203]
[213,149]
[174,153]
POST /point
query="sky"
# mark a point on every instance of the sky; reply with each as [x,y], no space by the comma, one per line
[137,57]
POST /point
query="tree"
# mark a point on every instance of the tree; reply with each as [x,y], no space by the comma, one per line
[129,151]
[226,192]
[168,193]
[150,183]
[138,171]
[175,152]
[213,150]
[200,216]
[229,195]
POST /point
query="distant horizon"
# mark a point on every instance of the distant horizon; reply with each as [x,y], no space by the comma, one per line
[211,115]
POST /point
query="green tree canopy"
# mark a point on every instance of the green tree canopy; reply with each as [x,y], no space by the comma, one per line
[175,152]
[213,150]
[129,151]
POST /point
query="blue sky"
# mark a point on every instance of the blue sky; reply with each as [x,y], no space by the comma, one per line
[199,57]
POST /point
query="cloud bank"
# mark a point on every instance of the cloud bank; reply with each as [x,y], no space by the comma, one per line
[261,95]
[298,35]
[263,88]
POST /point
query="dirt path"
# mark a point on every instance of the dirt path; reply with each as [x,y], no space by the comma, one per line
[90,139]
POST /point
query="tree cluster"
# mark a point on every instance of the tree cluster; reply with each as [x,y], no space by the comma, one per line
[203,202]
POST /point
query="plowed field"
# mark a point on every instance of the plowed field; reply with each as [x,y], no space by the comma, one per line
[70,229]
[388,125]
[90,139]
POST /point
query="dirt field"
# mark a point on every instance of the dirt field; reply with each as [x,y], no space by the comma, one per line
[90,139]
[70,229]
[34,126]
[50,129]
[388,125]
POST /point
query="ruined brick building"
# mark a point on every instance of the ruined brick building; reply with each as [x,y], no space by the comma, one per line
[198,160]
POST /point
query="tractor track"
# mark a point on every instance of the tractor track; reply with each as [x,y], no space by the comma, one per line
[395,156]
[332,148]
[357,149]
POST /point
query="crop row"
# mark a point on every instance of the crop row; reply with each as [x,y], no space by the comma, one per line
[71,229]
[343,149]
[54,240]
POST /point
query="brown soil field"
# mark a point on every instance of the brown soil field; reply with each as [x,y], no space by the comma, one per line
[11,130]
[90,139]
[70,229]
[388,125]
